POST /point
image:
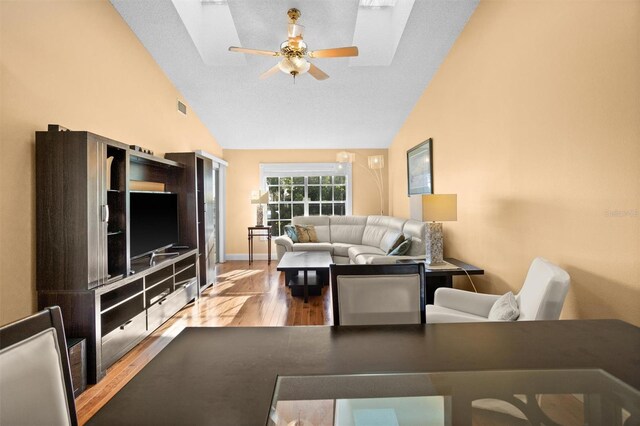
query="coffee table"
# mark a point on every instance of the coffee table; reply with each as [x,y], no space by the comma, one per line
[314,266]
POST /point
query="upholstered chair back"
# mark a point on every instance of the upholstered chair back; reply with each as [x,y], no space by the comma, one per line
[35,380]
[378,294]
[543,293]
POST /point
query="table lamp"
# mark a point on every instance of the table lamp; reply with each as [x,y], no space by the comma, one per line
[435,209]
[259,198]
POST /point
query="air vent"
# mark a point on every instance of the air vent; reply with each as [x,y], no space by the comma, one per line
[182,108]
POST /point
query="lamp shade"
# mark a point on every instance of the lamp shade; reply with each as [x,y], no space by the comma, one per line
[376,162]
[345,157]
[439,207]
[259,197]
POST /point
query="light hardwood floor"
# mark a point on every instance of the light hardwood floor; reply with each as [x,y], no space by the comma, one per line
[244,295]
[256,296]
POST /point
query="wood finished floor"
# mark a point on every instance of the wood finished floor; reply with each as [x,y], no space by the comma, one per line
[244,295]
[256,296]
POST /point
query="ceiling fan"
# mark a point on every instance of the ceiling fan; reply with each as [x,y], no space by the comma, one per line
[294,53]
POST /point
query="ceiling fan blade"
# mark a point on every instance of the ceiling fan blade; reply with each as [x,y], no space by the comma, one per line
[254,51]
[317,73]
[336,52]
[270,72]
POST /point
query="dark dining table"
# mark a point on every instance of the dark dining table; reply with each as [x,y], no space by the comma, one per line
[227,376]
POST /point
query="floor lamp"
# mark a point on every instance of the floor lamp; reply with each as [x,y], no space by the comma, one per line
[375,164]
[436,209]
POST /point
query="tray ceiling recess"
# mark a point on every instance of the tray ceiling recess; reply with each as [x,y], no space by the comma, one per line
[401,45]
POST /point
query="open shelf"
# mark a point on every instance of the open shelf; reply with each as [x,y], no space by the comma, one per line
[152,160]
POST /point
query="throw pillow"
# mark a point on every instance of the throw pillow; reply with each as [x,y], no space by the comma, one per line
[402,249]
[399,240]
[291,232]
[306,234]
[505,308]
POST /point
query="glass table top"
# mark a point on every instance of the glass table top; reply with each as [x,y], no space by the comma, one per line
[513,397]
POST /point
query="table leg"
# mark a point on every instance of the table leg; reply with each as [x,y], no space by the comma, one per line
[269,249]
[306,287]
[288,276]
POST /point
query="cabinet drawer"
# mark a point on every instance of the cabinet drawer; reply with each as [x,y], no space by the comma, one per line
[166,308]
[122,339]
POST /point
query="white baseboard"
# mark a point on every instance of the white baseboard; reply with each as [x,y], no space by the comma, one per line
[245,256]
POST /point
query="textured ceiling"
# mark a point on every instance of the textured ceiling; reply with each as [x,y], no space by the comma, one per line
[358,107]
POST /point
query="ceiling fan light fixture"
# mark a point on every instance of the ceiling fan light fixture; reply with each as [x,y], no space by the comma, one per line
[294,66]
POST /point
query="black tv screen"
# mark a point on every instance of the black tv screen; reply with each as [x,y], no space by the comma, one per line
[153,221]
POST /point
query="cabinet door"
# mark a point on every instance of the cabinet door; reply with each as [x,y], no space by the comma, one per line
[210,220]
[97,213]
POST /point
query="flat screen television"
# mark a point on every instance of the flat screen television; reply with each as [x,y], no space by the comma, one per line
[153,221]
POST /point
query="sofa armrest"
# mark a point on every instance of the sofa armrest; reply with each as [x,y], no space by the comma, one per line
[465,301]
[283,245]
[284,241]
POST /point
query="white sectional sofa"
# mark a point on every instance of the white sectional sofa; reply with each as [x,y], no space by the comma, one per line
[358,239]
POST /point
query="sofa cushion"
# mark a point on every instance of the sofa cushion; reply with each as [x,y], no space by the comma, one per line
[290,230]
[366,259]
[356,251]
[391,240]
[341,249]
[417,231]
[321,224]
[306,234]
[340,260]
[402,248]
[378,226]
[440,314]
[505,308]
[347,229]
[313,247]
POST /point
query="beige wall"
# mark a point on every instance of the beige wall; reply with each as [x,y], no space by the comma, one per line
[74,63]
[244,177]
[535,116]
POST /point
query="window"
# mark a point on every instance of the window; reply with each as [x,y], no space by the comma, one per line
[305,190]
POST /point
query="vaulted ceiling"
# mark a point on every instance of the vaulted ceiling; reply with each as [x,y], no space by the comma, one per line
[362,105]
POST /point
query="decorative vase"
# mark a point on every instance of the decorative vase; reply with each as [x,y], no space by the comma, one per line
[435,243]
[259,215]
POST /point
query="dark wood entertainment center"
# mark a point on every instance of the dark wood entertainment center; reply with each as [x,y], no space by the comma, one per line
[83,261]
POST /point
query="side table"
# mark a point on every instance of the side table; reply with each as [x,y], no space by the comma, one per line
[436,278]
[259,231]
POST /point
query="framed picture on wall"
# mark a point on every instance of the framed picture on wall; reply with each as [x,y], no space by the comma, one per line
[420,168]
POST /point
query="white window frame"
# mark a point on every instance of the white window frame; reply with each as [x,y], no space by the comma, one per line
[310,169]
